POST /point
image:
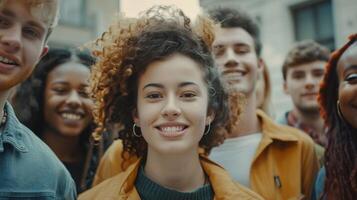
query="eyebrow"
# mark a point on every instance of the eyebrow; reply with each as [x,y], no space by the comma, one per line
[8,13]
[157,85]
[11,14]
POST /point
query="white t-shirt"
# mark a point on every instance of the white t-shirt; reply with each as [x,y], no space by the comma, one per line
[236,156]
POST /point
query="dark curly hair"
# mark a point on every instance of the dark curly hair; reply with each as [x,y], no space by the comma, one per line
[341,152]
[305,52]
[29,98]
[234,18]
[126,50]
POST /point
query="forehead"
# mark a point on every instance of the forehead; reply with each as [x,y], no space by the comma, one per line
[349,57]
[176,68]
[70,70]
[230,36]
[310,66]
[36,11]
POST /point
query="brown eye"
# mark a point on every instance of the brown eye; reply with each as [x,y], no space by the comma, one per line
[351,78]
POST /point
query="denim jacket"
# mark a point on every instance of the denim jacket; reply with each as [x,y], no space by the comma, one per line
[28,168]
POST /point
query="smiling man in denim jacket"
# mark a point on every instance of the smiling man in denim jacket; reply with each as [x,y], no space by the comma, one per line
[28,168]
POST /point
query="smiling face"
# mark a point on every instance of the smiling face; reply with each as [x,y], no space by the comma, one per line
[236,58]
[347,75]
[302,84]
[67,108]
[22,43]
[172,105]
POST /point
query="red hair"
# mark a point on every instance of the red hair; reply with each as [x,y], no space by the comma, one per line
[341,152]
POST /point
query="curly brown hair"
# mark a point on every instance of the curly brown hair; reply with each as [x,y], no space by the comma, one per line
[341,152]
[304,52]
[125,51]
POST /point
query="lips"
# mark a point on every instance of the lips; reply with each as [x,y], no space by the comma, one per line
[7,63]
[171,130]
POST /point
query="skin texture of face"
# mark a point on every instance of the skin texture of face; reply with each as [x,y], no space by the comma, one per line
[302,84]
[172,105]
[22,43]
[347,75]
[67,109]
[236,58]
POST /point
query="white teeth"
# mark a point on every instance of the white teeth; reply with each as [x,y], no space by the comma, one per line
[71,116]
[172,128]
[7,61]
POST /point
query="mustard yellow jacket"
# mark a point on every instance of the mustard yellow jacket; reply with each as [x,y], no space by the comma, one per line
[284,166]
[122,186]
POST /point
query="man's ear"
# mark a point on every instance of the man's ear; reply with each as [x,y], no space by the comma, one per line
[261,65]
[285,88]
[44,50]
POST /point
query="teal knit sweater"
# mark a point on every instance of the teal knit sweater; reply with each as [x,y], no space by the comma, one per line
[149,190]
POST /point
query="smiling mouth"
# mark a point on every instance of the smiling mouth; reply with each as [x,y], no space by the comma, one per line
[7,61]
[171,131]
[71,116]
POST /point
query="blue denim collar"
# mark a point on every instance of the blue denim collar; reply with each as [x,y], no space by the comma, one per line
[13,131]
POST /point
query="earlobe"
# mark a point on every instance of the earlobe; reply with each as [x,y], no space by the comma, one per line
[135,117]
[210,118]
[285,88]
[44,51]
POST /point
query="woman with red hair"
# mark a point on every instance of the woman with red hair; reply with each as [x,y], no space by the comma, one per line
[338,100]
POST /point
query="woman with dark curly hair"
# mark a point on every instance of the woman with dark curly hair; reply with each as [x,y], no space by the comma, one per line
[156,76]
[54,104]
[338,100]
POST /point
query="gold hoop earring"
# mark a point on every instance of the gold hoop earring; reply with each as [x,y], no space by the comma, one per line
[134,132]
[208,129]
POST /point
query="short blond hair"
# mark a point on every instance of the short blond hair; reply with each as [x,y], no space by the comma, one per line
[46,10]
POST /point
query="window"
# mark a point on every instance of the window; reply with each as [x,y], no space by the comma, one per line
[314,21]
[73,13]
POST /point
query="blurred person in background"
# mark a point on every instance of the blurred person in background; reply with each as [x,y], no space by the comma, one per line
[302,71]
[277,162]
[338,101]
[54,103]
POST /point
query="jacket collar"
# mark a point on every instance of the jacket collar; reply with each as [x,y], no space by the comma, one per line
[222,184]
[274,131]
[12,131]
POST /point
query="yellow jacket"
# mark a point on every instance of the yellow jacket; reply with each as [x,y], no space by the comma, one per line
[284,153]
[285,164]
[122,186]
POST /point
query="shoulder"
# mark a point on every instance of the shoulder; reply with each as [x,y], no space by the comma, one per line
[114,161]
[113,187]
[222,183]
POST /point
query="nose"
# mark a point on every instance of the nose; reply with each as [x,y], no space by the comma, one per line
[73,99]
[11,39]
[310,82]
[171,110]
[232,60]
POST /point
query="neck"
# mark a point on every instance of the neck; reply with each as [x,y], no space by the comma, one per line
[248,120]
[3,98]
[67,149]
[183,172]
[311,119]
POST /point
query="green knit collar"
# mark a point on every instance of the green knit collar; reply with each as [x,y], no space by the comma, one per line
[149,190]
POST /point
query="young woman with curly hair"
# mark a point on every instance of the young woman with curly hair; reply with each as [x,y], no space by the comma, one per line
[54,104]
[156,76]
[338,100]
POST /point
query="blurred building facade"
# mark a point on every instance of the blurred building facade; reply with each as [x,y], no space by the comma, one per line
[283,22]
[82,21]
